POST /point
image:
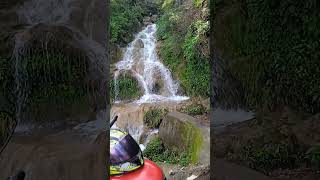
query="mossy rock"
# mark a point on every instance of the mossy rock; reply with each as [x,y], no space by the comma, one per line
[181,133]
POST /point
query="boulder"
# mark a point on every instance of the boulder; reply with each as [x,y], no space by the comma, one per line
[154,18]
[181,132]
[139,44]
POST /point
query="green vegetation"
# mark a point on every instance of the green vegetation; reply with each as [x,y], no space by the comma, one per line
[194,109]
[198,3]
[126,17]
[129,88]
[272,48]
[57,78]
[268,157]
[157,152]
[153,117]
[183,37]
[52,82]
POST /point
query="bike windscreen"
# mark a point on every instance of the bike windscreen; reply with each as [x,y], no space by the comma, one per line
[125,150]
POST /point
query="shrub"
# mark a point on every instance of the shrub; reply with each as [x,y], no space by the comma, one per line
[153,117]
[181,50]
[129,88]
[272,50]
[125,16]
[194,109]
[273,149]
[157,152]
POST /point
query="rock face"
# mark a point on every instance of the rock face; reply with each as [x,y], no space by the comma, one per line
[68,26]
[180,132]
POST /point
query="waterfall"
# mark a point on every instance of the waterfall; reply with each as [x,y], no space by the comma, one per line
[46,21]
[141,60]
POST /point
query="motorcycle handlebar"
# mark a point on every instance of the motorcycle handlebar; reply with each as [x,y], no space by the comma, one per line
[113,121]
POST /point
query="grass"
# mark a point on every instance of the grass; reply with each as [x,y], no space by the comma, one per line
[194,109]
[157,152]
[153,117]
[129,88]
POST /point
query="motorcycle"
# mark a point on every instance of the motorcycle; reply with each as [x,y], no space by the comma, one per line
[120,163]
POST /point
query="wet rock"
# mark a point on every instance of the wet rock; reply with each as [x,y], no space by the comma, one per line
[139,44]
[171,172]
[154,18]
[180,132]
[192,177]
[147,21]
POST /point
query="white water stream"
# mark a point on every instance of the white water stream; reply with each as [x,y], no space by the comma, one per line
[141,60]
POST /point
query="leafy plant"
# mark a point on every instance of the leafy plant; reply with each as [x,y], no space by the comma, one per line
[157,152]
[125,16]
[198,3]
[272,51]
[153,117]
[181,50]
[129,88]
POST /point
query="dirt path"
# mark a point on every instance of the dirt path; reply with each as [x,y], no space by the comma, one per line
[176,172]
[224,170]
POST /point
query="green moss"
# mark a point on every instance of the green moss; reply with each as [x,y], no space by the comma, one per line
[196,147]
[193,138]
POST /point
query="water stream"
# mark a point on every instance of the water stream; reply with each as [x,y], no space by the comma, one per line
[141,60]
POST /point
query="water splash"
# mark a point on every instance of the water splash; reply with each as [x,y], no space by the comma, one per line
[141,60]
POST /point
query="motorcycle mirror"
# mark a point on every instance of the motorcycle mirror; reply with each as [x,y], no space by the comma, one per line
[113,121]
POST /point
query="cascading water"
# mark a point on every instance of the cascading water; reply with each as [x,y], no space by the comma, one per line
[52,16]
[141,60]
